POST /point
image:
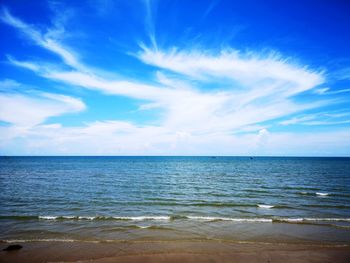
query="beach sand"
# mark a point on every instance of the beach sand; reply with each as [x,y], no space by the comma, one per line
[175,251]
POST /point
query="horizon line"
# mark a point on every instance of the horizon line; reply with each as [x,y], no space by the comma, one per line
[248,156]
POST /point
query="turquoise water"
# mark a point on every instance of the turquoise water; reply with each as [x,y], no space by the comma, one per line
[161,198]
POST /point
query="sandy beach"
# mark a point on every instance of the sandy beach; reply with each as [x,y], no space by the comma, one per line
[174,252]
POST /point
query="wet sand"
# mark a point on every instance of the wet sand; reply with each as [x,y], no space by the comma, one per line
[181,251]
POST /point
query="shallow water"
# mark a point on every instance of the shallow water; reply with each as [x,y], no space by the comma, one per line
[170,198]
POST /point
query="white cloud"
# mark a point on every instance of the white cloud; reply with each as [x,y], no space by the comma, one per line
[8,84]
[342,74]
[44,40]
[328,91]
[23,64]
[187,108]
[123,138]
[326,122]
[28,110]
[333,143]
[149,21]
[321,91]
[297,120]
[249,68]
[320,118]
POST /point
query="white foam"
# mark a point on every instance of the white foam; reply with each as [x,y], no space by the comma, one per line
[48,217]
[291,220]
[199,218]
[158,218]
[144,227]
[142,218]
[259,220]
[133,218]
[322,194]
[209,218]
[266,206]
[328,219]
[39,240]
[308,219]
[60,217]
[83,217]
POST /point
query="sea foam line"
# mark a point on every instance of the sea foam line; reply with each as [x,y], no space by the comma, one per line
[199,218]
[156,218]
[41,240]
[178,217]
[212,218]
[133,218]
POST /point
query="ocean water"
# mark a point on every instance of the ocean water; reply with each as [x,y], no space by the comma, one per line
[107,199]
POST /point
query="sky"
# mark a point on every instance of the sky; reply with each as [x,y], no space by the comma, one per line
[103,77]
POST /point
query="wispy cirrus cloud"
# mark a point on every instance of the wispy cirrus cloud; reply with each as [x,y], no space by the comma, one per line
[247,68]
[45,40]
[328,91]
[342,74]
[320,118]
[150,21]
[8,84]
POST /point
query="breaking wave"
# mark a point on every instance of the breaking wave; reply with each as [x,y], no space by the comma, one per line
[177,217]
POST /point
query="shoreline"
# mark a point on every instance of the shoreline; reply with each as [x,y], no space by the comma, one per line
[174,251]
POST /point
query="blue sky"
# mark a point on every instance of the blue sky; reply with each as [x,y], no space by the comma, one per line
[164,77]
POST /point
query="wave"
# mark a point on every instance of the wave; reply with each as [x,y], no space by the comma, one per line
[266,206]
[322,194]
[232,219]
[178,217]
[132,218]
[159,218]
[304,193]
[312,193]
[127,227]
[202,203]
[310,220]
[153,227]
[43,240]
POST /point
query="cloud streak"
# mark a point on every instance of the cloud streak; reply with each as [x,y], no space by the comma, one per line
[44,40]
[35,108]
[320,118]
[249,69]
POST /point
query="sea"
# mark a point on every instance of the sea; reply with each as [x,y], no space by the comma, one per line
[228,199]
